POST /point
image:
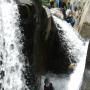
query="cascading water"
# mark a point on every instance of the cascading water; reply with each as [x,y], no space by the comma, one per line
[11,57]
[77,48]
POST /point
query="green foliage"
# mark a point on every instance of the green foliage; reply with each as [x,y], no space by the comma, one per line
[45,2]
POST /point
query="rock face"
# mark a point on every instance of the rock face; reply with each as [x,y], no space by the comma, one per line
[85,22]
[85,12]
[43,45]
[27,23]
[46,52]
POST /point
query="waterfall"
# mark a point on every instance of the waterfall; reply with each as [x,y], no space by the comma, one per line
[12,59]
[77,48]
[11,56]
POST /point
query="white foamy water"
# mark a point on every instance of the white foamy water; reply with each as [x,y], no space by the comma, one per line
[77,48]
[11,47]
[13,59]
